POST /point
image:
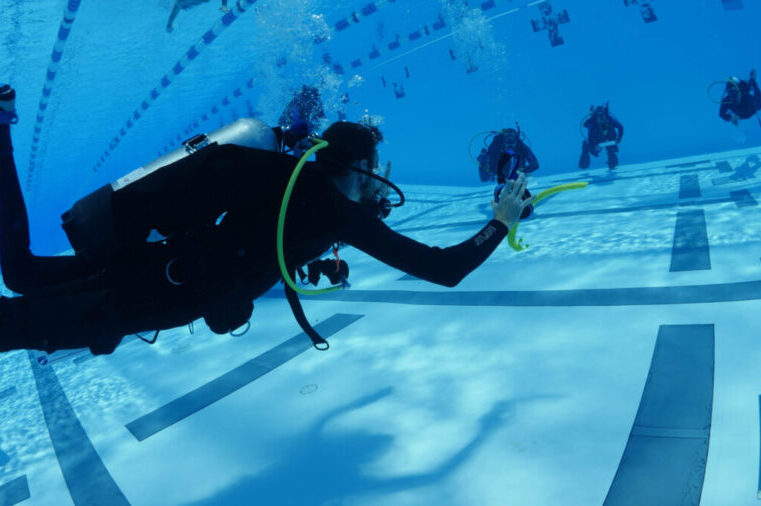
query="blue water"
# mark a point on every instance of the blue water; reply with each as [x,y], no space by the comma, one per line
[655,76]
[464,68]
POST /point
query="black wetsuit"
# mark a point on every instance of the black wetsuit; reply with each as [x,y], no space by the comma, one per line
[490,166]
[218,208]
[610,130]
[748,105]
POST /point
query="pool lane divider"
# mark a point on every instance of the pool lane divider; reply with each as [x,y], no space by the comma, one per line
[14,491]
[665,457]
[69,16]
[232,381]
[86,476]
[190,55]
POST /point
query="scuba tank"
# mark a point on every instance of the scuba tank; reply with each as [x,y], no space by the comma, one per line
[89,224]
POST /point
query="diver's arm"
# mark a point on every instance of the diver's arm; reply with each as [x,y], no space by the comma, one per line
[724,112]
[531,163]
[443,266]
[619,128]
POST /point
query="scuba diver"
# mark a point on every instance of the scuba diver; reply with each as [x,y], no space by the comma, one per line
[603,130]
[201,237]
[505,159]
[301,118]
[187,4]
[492,159]
[741,100]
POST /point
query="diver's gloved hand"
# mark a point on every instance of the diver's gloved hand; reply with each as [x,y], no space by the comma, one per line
[752,74]
[511,202]
[735,119]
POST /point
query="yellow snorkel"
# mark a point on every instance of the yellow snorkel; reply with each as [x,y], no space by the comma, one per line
[518,245]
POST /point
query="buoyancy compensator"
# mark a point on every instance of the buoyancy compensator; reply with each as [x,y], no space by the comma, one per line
[90,224]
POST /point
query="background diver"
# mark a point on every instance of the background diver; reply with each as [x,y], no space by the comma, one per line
[301,118]
[187,4]
[602,130]
[491,162]
[741,99]
[218,219]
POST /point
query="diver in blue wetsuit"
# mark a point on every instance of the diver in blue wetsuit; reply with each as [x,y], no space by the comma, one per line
[301,118]
[741,100]
[216,211]
[602,129]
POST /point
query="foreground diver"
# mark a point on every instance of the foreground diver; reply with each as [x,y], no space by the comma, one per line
[506,142]
[741,100]
[216,211]
[602,130]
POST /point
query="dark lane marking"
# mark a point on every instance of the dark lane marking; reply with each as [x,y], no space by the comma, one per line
[689,187]
[758,493]
[86,476]
[688,294]
[743,198]
[569,214]
[665,458]
[724,166]
[7,393]
[234,380]
[690,251]
[687,164]
[14,491]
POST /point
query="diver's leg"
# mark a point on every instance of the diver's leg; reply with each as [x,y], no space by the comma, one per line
[612,157]
[22,271]
[584,160]
[172,16]
[59,322]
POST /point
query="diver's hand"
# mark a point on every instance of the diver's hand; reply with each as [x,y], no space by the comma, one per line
[511,202]
[735,119]
[752,74]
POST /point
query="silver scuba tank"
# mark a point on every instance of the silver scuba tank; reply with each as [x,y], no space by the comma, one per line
[249,132]
[89,224]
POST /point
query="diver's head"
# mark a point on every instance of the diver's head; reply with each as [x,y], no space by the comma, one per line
[511,137]
[350,145]
[732,89]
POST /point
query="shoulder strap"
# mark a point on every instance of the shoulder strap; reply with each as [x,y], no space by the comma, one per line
[298,312]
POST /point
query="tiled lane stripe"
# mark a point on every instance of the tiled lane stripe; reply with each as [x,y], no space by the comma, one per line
[689,187]
[690,250]
[688,294]
[221,387]
[14,491]
[743,198]
[665,458]
[88,479]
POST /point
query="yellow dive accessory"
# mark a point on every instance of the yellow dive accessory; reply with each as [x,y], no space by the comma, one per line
[518,245]
[319,144]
